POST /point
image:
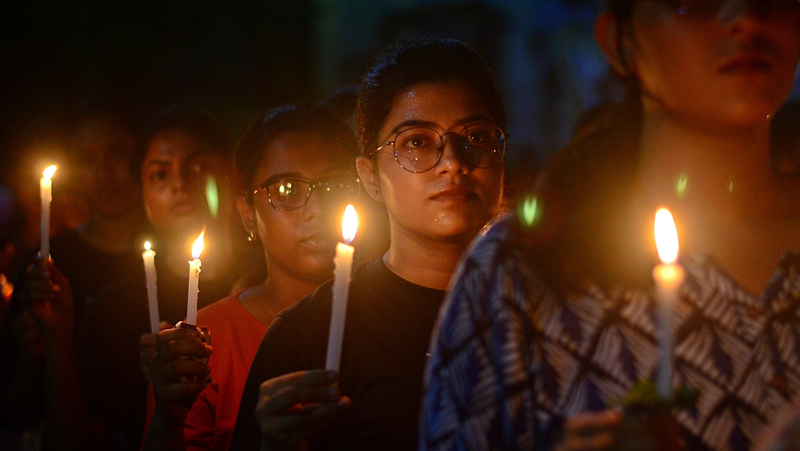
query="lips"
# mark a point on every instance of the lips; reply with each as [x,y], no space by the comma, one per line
[183,208]
[746,64]
[454,193]
[318,242]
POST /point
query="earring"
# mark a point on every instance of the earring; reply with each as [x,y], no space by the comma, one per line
[252,237]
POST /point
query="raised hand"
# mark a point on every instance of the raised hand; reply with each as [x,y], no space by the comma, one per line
[147,349]
[294,406]
[48,298]
[591,431]
[179,371]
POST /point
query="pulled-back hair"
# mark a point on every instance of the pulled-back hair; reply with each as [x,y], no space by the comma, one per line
[200,125]
[286,119]
[405,64]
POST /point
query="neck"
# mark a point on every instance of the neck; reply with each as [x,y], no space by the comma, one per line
[111,234]
[277,292]
[716,170]
[428,263]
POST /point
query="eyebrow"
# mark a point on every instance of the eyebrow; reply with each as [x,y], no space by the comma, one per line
[296,175]
[158,163]
[430,124]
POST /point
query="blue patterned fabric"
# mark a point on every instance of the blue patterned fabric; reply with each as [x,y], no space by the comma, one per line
[510,359]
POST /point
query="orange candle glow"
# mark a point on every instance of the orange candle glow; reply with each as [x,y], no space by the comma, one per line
[194,280]
[668,277]
[46,194]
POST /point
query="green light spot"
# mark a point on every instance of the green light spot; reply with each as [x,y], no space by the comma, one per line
[682,184]
[730,187]
[212,196]
[529,210]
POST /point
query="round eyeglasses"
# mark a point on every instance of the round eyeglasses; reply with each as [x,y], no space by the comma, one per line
[293,193]
[708,9]
[419,149]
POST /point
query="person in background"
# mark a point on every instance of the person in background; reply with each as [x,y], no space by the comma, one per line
[296,173]
[96,256]
[430,124]
[183,164]
[551,318]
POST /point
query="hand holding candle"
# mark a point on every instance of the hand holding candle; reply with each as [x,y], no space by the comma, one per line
[343,262]
[668,277]
[46,194]
[194,280]
[152,288]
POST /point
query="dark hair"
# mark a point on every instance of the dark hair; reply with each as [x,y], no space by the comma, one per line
[290,118]
[121,111]
[194,121]
[405,64]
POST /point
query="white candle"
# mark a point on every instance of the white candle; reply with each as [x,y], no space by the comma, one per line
[46,194]
[194,280]
[152,288]
[668,277]
[343,262]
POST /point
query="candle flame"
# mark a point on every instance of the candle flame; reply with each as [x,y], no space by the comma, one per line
[666,236]
[349,224]
[198,246]
[147,245]
[49,171]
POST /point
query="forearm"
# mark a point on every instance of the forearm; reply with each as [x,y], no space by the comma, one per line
[272,445]
[165,432]
[22,402]
[67,423]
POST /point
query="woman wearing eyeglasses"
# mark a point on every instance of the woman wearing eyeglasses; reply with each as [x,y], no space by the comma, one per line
[296,174]
[430,123]
[553,318]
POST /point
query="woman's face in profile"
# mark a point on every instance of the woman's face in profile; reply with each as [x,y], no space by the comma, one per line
[174,177]
[453,200]
[724,64]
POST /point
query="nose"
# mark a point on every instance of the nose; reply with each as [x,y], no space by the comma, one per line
[181,180]
[744,14]
[316,206]
[452,159]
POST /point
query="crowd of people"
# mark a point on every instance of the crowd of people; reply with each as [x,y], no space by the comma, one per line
[477,319]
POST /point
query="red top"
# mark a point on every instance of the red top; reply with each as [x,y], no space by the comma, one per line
[235,336]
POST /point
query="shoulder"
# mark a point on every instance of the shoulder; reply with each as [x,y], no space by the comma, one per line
[315,305]
[495,272]
[500,242]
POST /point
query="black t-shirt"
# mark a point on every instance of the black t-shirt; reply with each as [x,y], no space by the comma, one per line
[91,271]
[108,345]
[387,330]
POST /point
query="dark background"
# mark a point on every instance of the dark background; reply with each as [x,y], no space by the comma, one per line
[238,58]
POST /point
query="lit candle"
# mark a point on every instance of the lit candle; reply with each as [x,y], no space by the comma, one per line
[194,279]
[343,262]
[46,193]
[668,276]
[152,291]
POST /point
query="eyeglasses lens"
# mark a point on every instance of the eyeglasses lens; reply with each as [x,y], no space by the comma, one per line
[419,149]
[291,194]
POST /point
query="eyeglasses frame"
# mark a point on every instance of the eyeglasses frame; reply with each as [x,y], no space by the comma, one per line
[312,184]
[503,140]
